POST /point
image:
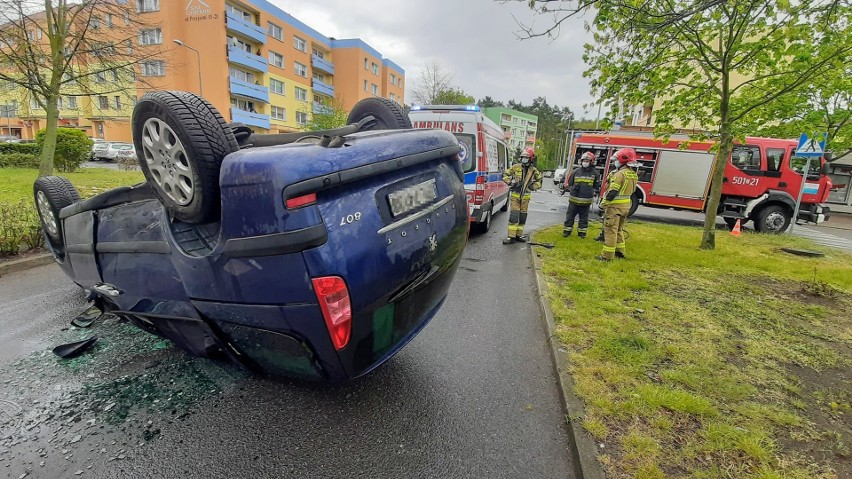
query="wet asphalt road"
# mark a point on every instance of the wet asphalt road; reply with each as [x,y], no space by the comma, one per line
[474,395]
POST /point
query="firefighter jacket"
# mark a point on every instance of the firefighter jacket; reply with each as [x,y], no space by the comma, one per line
[519,178]
[583,184]
[621,187]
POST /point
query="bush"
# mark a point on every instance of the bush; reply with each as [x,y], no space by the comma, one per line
[127,164]
[73,148]
[19,224]
[18,160]
[27,148]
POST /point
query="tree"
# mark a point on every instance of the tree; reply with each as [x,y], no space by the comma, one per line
[328,118]
[49,47]
[432,81]
[488,102]
[711,62]
[452,96]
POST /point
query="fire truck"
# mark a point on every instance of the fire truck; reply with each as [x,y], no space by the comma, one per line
[762,179]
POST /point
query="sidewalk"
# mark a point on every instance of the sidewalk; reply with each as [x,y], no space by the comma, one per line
[839,220]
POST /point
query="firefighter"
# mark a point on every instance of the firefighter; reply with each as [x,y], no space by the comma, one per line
[612,161]
[522,178]
[582,185]
[616,203]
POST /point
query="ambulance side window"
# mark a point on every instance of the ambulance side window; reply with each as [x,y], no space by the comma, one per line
[501,156]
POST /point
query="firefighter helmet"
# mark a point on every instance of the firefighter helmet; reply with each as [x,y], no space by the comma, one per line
[588,156]
[529,152]
[626,156]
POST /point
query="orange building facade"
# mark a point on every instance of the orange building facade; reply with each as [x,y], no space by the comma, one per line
[257,64]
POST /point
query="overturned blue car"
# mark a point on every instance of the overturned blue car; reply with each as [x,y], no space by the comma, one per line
[311,254]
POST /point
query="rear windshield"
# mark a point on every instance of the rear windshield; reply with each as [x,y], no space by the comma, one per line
[468,151]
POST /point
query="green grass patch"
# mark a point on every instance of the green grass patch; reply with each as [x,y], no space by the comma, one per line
[734,362]
[19,223]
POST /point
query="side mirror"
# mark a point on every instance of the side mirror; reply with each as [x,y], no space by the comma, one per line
[824,170]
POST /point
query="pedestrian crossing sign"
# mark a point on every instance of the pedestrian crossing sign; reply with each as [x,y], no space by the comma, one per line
[811,146]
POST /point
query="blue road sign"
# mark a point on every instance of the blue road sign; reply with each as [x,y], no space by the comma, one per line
[811,146]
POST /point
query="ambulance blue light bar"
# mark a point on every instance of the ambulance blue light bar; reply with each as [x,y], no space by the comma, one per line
[445,107]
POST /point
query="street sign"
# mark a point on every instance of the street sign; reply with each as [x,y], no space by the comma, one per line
[810,146]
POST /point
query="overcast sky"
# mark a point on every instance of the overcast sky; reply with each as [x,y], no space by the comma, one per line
[474,40]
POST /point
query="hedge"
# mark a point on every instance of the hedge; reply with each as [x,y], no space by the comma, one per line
[19,160]
[27,148]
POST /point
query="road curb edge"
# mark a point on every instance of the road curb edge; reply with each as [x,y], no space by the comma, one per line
[582,445]
[25,263]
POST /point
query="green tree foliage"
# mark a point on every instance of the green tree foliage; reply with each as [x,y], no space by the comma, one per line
[328,118]
[489,102]
[73,147]
[713,63]
[452,96]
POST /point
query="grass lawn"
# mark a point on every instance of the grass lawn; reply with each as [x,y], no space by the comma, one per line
[733,363]
[16,184]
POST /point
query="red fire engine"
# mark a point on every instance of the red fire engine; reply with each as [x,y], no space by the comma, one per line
[761,184]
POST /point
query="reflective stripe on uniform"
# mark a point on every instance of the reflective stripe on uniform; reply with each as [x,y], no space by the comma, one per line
[608,249]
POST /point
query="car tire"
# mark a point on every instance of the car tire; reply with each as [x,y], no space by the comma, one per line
[181,140]
[51,194]
[773,219]
[483,226]
[388,115]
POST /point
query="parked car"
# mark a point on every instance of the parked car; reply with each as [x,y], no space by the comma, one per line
[123,151]
[310,254]
[99,148]
[111,151]
[559,175]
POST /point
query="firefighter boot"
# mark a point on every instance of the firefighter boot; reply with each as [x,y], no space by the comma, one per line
[619,254]
[600,237]
[566,232]
[508,240]
[581,235]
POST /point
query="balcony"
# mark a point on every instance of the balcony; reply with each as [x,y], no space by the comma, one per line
[246,59]
[321,109]
[322,87]
[322,65]
[249,90]
[252,119]
[238,25]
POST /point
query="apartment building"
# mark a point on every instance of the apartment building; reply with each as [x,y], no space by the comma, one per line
[257,64]
[519,128]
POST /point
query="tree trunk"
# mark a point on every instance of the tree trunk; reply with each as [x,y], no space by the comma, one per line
[49,145]
[725,145]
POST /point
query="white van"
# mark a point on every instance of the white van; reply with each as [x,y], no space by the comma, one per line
[484,155]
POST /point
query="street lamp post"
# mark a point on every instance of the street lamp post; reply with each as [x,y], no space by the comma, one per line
[198,55]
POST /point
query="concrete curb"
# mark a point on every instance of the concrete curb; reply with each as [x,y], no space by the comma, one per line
[582,445]
[25,263]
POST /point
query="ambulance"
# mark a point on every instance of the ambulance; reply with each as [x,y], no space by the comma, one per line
[484,156]
[763,177]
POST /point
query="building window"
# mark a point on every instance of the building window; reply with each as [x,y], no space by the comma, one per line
[103,103]
[241,75]
[114,74]
[246,16]
[275,31]
[129,45]
[127,18]
[366,85]
[299,44]
[366,63]
[276,86]
[244,105]
[239,44]
[375,69]
[374,89]
[393,79]
[319,53]
[34,105]
[301,118]
[100,77]
[153,68]
[72,102]
[153,36]
[279,113]
[301,70]
[276,59]
[60,103]
[108,20]
[95,23]
[319,77]
[301,94]
[143,6]
[392,97]
[117,99]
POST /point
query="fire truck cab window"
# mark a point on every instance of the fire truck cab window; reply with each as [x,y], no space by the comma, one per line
[774,157]
[746,158]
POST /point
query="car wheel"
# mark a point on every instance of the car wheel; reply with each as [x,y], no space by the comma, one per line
[772,219]
[181,140]
[388,115]
[483,226]
[52,193]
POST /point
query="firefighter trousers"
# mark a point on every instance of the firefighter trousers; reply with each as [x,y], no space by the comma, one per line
[518,214]
[574,210]
[614,219]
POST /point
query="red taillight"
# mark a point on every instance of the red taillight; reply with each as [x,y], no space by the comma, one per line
[479,190]
[333,297]
[300,201]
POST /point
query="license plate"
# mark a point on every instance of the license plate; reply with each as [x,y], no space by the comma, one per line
[412,197]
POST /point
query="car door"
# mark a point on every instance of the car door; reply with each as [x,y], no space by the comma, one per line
[746,172]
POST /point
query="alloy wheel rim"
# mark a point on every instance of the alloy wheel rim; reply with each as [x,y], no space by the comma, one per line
[775,221]
[46,213]
[168,161]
